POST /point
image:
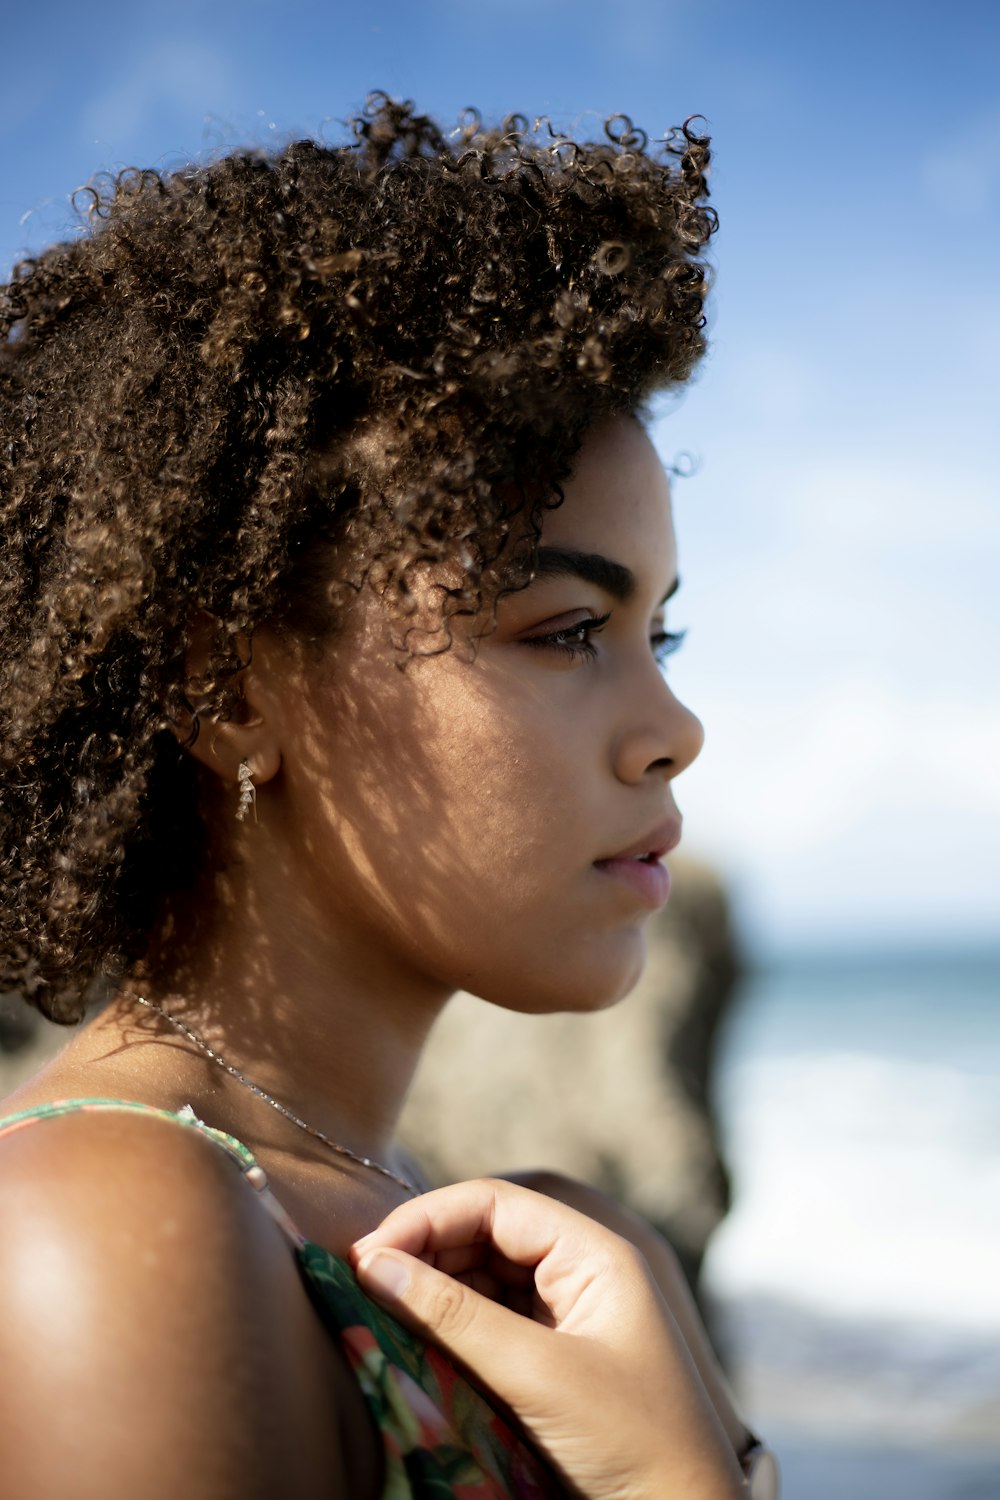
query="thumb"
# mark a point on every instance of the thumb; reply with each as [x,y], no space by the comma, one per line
[498,1345]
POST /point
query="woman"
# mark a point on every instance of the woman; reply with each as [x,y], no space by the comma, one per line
[333,594]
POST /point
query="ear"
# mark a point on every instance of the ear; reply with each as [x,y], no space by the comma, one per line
[250,733]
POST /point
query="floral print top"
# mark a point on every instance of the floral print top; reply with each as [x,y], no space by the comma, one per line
[442,1439]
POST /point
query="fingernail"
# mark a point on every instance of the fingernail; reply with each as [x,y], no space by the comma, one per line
[384,1274]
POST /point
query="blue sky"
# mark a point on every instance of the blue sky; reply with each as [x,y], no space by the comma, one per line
[840,541]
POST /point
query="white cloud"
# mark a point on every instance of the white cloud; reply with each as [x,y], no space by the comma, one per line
[853,808]
[878,503]
[843,655]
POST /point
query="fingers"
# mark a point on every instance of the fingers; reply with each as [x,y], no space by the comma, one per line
[527,1250]
[594,1365]
[519,1225]
[474,1330]
[483,1255]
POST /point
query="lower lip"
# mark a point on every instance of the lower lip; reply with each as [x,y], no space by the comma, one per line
[649,880]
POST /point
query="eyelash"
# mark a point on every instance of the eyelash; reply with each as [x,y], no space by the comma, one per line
[575,639]
[666,642]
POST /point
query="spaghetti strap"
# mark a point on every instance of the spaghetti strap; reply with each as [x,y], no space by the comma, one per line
[234,1149]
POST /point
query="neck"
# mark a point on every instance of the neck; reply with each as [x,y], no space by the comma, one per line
[303,1007]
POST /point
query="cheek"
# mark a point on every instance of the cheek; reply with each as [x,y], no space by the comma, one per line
[505,785]
[514,911]
[459,824]
[420,782]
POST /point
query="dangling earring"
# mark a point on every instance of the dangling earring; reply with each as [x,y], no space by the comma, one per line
[248,792]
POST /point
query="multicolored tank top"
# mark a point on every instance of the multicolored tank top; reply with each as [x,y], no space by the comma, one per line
[442,1438]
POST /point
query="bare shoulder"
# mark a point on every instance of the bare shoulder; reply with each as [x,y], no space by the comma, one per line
[135,1186]
[155,1318]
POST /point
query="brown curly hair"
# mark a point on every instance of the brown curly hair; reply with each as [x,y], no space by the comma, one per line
[181,393]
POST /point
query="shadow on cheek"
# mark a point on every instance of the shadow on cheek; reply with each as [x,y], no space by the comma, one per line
[389,760]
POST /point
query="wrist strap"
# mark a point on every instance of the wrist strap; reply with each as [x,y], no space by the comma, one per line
[760,1471]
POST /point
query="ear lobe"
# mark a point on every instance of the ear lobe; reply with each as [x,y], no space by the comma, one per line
[246,733]
[222,746]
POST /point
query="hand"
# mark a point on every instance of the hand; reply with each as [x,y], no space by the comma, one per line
[668,1276]
[562,1320]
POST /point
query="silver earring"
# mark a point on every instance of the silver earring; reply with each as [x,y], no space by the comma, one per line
[248,792]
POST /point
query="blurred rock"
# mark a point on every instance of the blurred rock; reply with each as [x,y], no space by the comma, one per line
[620,1099]
[19,1024]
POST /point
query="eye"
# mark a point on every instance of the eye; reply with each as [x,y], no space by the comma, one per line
[666,642]
[572,640]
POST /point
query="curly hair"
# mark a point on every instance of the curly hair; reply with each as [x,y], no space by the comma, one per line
[183,390]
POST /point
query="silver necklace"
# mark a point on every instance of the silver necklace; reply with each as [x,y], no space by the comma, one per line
[255,1088]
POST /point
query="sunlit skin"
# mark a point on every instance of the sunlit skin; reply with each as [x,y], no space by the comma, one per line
[416,832]
[419,832]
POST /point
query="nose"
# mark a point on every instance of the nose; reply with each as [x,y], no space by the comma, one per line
[662,736]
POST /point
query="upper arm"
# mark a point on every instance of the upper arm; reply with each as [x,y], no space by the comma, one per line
[154,1336]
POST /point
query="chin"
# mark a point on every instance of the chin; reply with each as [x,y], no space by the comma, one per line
[587,981]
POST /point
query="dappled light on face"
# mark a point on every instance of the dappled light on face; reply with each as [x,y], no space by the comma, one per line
[440,820]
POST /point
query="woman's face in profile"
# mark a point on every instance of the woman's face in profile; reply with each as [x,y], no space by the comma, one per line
[457,817]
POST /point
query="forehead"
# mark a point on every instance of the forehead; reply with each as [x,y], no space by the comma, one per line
[617,500]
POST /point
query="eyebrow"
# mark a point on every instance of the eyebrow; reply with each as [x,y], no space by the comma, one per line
[593,567]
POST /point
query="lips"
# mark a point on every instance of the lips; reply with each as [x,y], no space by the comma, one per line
[638,866]
[652,846]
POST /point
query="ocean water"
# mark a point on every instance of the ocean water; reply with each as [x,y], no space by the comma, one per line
[857,1279]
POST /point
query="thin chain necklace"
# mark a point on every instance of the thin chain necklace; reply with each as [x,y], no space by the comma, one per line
[255,1088]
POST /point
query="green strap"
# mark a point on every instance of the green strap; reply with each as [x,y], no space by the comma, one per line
[186,1116]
